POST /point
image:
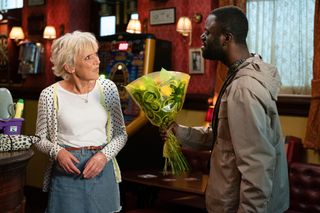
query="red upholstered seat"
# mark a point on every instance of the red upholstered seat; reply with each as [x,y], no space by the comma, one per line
[304,187]
[304,179]
[295,150]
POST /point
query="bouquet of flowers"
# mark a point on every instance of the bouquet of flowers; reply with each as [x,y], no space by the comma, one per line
[160,95]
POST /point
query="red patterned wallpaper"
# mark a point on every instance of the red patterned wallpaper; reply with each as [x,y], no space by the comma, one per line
[199,83]
[65,16]
[72,16]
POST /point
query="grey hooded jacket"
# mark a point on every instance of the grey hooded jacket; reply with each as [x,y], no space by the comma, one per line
[248,170]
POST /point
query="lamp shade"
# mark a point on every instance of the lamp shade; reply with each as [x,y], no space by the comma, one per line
[184,26]
[134,26]
[16,33]
[49,32]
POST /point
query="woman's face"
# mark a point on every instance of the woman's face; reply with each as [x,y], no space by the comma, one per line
[87,65]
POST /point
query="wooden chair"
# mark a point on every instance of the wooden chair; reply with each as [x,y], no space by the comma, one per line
[198,159]
[294,149]
[183,202]
[199,162]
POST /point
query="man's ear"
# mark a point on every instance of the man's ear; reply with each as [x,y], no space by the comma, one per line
[70,69]
[228,36]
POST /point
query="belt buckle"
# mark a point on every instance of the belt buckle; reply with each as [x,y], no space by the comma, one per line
[91,148]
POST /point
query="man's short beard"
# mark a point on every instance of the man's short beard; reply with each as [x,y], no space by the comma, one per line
[213,55]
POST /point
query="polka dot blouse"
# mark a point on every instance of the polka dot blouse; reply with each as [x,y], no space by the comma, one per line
[47,124]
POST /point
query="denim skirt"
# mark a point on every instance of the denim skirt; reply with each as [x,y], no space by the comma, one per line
[74,194]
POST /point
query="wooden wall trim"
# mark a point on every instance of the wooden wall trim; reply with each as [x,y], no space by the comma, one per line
[196,102]
[18,91]
[294,105]
[287,105]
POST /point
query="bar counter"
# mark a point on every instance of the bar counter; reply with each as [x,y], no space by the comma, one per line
[12,179]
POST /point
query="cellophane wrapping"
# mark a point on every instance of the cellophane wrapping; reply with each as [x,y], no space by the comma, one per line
[160,95]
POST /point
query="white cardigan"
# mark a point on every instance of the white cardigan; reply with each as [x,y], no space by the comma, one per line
[47,125]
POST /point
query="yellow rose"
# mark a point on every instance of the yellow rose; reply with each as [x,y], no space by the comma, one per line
[166,90]
[142,87]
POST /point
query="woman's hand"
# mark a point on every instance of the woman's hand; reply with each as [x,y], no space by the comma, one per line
[164,132]
[94,165]
[66,161]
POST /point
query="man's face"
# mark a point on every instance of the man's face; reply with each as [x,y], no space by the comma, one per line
[211,40]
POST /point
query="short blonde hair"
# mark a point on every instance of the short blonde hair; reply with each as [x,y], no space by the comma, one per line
[65,49]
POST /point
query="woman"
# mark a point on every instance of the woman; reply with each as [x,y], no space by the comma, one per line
[82,129]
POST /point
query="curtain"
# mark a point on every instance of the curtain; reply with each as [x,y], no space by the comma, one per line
[312,138]
[221,70]
[284,39]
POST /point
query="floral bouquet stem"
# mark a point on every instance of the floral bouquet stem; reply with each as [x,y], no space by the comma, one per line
[173,155]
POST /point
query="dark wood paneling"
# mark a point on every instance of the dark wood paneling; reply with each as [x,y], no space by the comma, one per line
[19,91]
[294,105]
[143,150]
[287,105]
[196,102]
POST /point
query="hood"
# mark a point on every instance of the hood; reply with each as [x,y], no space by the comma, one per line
[266,74]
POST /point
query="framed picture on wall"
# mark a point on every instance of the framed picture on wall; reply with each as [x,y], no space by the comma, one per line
[196,62]
[36,25]
[35,2]
[162,16]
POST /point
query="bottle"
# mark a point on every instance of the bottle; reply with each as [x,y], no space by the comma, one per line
[19,108]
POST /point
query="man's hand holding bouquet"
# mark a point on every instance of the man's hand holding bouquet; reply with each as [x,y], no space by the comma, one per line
[160,95]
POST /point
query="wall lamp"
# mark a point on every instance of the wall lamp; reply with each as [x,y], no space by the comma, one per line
[184,25]
[16,33]
[134,26]
[49,32]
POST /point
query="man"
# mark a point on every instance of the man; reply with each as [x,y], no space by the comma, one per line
[248,171]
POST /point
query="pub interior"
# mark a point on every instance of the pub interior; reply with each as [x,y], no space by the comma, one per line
[143,187]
